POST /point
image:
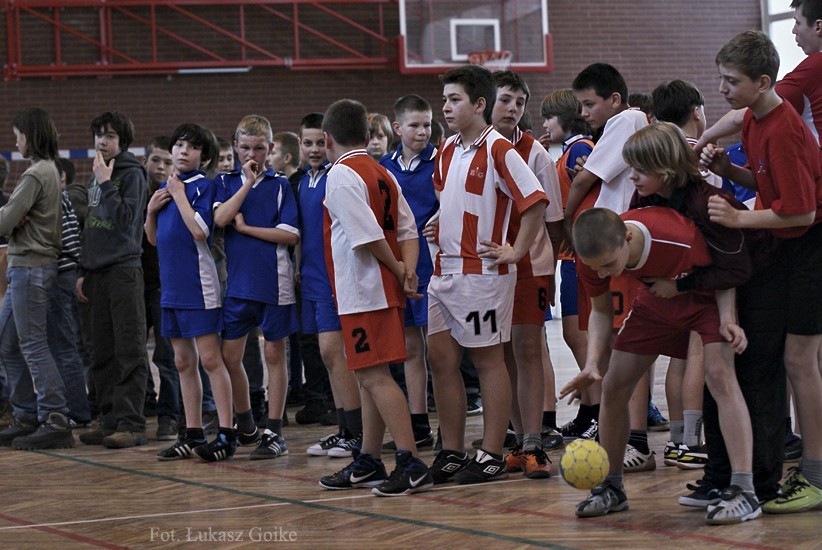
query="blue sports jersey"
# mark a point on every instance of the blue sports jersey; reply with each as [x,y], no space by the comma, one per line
[260,270]
[188,275]
[418,189]
[314,283]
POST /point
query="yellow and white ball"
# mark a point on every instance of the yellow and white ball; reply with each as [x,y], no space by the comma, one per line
[584,464]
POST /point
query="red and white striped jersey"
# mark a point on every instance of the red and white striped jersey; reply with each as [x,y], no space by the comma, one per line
[363,204]
[539,260]
[477,184]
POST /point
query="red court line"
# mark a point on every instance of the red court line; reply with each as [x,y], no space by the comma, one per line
[593,523]
[64,534]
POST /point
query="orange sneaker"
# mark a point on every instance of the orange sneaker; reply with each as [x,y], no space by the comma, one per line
[514,459]
[535,464]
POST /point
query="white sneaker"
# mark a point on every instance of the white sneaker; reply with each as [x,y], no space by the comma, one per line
[322,447]
[734,506]
[635,461]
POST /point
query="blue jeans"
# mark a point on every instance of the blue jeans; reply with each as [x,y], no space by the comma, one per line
[64,343]
[24,349]
[168,401]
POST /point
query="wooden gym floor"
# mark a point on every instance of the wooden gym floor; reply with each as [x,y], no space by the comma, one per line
[90,497]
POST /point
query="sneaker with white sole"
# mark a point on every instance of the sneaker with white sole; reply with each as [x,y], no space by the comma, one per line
[322,447]
[702,494]
[735,505]
[411,475]
[271,446]
[604,499]
[345,447]
[364,471]
[670,453]
[485,467]
[692,458]
[635,461]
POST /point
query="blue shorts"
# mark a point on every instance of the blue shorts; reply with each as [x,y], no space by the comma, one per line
[568,291]
[189,323]
[416,311]
[317,317]
[240,316]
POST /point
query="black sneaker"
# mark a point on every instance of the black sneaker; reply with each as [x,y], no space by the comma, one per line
[446,464]
[438,443]
[474,404]
[271,446]
[17,428]
[324,444]
[484,467]
[735,505]
[364,471]
[182,448]
[345,447]
[222,448]
[411,475]
[312,412]
[580,429]
[54,433]
[509,443]
[423,442]
[246,439]
[167,429]
[702,493]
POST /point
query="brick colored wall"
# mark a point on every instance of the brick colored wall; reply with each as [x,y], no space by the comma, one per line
[648,41]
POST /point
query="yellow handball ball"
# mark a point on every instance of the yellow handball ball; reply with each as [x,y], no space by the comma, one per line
[584,464]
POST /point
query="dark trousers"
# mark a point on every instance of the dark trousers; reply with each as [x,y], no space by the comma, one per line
[118,350]
[761,374]
[316,386]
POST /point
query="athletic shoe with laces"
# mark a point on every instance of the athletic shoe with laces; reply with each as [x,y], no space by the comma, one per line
[702,494]
[446,464]
[271,446]
[551,439]
[248,439]
[635,461]
[793,447]
[670,453]
[325,443]
[580,429]
[364,471]
[484,467]
[182,448]
[54,433]
[657,422]
[604,499]
[345,447]
[411,475]
[798,496]
[513,460]
[221,448]
[535,464]
[735,505]
[422,441]
[692,458]
[474,404]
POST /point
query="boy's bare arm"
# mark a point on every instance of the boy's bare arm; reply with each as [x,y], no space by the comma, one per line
[729,124]
[503,253]
[582,183]
[716,160]
[723,213]
[269,234]
[224,213]
[729,326]
[600,329]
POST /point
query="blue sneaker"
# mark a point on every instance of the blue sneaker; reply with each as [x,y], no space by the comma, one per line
[656,422]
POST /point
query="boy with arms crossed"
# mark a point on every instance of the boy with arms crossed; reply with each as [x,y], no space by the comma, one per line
[259,212]
[371,252]
[477,173]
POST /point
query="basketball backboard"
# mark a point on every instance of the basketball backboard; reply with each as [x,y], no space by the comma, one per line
[436,35]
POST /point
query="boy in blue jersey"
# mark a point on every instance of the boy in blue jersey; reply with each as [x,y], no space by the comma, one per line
[318,313]
[259,213]
[179,223]
[413,166]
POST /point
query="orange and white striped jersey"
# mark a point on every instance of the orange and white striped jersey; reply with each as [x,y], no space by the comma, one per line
[364,204]
[539,260]
[477,184]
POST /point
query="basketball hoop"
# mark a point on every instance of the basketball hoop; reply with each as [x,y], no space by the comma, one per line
[493,60]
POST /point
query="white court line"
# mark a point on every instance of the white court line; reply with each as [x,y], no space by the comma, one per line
[228,509]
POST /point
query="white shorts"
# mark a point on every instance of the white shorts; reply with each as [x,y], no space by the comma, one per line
[477,309]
